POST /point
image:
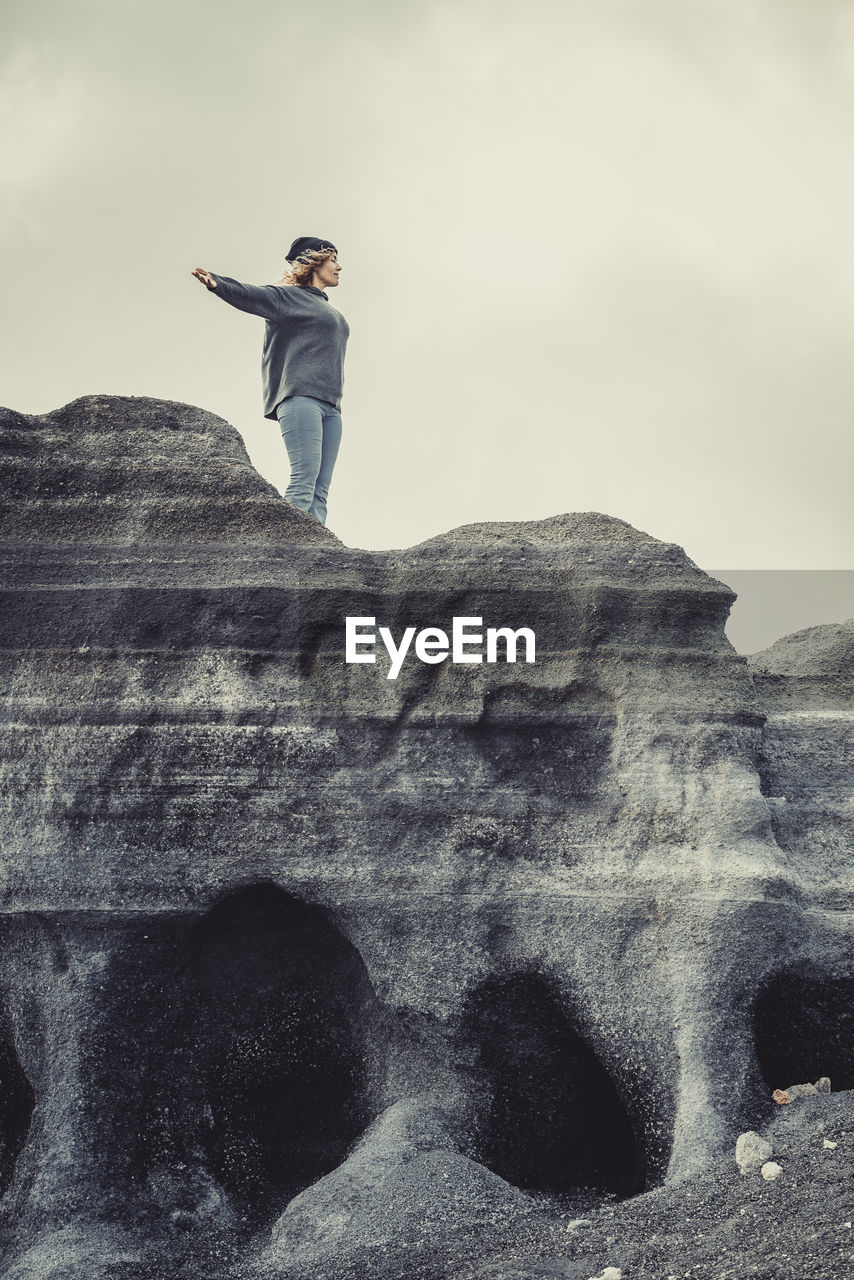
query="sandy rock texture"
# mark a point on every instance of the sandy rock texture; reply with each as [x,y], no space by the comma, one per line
[315,974]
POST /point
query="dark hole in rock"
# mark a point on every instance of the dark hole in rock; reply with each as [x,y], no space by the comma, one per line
[17,1101]
[555,1122]
[284,1005]
[804,1028]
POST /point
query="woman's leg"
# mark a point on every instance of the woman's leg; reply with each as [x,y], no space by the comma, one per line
[331,442]
[301,420]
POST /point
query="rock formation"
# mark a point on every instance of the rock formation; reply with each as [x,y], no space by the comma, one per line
[308,972]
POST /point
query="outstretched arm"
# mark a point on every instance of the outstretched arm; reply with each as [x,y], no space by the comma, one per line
[258,299]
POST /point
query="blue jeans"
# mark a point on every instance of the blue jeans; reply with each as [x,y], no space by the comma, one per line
[311,430]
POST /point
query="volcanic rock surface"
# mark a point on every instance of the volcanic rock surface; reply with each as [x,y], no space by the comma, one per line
[482,970]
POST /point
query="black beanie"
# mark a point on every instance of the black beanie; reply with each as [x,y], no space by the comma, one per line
[304,243]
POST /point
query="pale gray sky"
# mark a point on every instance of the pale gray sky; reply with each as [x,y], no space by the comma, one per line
[597,253]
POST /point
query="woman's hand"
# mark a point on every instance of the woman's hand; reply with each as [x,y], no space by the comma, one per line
[205,277]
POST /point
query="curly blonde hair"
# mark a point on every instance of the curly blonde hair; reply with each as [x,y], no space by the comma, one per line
[303,268]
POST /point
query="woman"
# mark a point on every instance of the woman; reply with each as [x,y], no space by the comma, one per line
[302,363]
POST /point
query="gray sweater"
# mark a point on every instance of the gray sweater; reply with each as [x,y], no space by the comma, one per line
[304,342]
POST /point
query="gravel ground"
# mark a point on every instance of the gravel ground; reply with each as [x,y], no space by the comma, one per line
[723,1225]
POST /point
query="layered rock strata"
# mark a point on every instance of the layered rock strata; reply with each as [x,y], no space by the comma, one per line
[286,942]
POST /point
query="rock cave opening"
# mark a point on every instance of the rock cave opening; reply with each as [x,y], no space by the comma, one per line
[804,1028]
[231,1052]
[17,1102]
[284,1013]
[554,1122]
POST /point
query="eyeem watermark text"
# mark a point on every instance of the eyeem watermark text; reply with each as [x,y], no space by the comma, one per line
[432,644]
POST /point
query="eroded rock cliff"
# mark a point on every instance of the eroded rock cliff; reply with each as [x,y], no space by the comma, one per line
[310,972]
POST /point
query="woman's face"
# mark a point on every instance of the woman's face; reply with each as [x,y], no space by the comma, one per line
[326,275]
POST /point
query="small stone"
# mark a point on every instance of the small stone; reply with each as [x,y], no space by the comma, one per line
[751,1151]
[830,1146]
[822,1085]
[577,1223]
[780,1097]
[610,1273]
[771,1170]
[800,1091]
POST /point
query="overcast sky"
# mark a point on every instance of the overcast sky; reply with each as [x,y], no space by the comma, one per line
[597,253]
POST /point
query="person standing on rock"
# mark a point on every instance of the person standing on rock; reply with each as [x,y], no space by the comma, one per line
[302,362]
